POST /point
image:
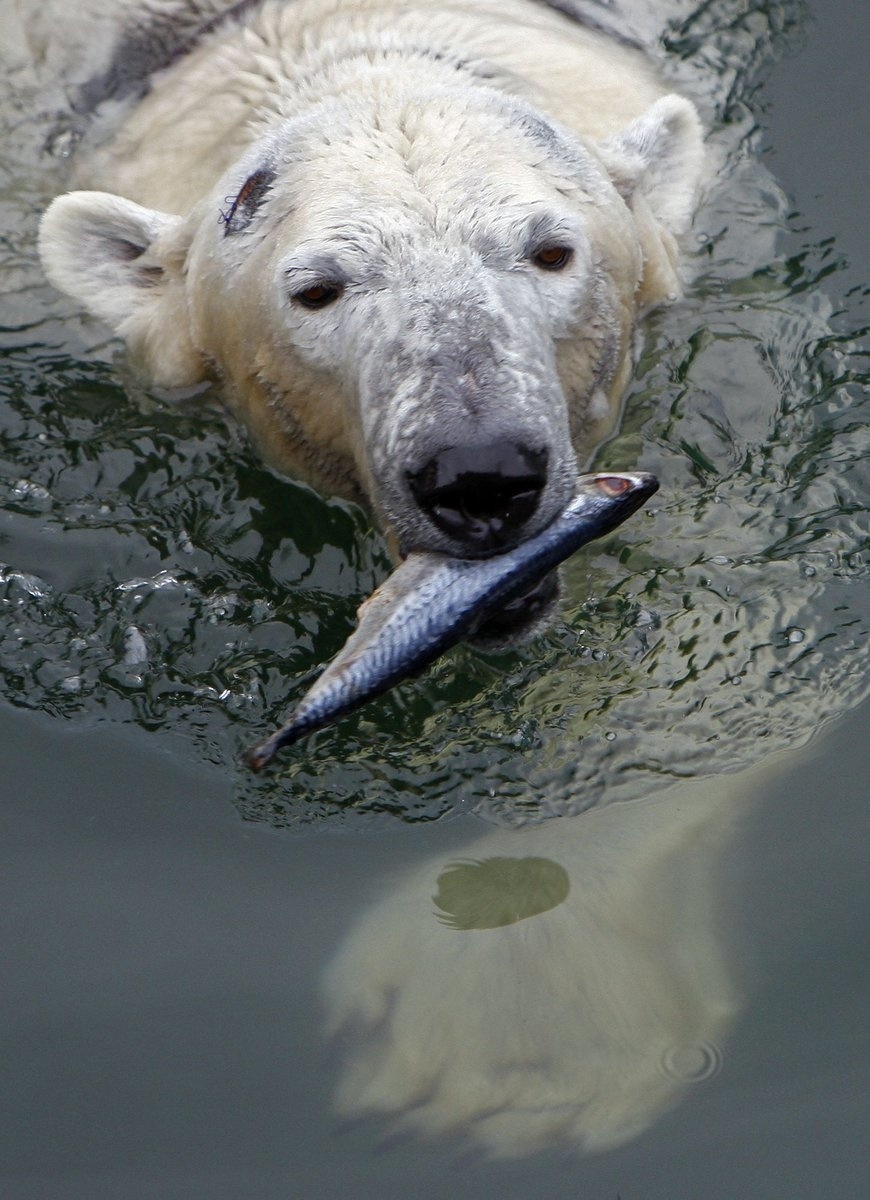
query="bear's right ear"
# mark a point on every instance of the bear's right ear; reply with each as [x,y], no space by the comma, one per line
[660,157]
[125,264]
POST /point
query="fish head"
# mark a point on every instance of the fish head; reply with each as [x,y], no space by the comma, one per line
[602,501]
[610,497]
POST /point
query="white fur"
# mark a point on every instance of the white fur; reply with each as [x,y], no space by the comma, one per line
[418,175]
[574,1027]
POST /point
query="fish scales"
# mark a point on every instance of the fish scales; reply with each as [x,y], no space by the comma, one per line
[431,602]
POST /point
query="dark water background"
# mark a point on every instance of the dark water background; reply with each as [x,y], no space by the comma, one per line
[167,926]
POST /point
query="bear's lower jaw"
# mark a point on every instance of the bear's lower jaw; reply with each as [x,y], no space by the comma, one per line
[520,617]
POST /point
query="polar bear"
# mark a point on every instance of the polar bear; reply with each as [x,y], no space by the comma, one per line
[559,985]
[411,239]
[395,230]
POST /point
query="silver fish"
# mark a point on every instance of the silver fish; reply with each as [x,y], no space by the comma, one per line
[431,601]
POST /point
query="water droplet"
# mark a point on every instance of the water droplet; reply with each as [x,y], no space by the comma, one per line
[62,142]
[163,579]
[219,607]
[795,635]
[135,648]
[23,586]
[721,560]
[610,736]
[24,488]
[807,571]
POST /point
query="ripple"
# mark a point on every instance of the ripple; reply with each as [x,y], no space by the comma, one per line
[710,631]
[694,1063]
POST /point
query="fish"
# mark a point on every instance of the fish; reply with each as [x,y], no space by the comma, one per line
[432,601]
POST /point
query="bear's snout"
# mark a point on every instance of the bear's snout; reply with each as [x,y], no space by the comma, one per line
[481,496]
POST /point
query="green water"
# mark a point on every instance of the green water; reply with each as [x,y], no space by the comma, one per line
[155,573]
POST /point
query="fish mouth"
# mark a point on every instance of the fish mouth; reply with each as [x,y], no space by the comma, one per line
[519,617]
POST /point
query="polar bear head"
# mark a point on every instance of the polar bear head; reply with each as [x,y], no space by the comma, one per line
[422,300]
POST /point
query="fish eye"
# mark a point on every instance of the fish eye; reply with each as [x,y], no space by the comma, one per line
[614,485]
[553,256]
[319,295]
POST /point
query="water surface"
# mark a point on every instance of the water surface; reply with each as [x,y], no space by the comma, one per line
[176,948]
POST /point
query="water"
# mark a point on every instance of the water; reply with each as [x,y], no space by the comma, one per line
[173,968]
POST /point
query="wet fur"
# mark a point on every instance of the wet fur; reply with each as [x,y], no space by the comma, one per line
[419,157]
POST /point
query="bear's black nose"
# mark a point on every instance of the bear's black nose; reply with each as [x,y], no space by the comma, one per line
[481,496]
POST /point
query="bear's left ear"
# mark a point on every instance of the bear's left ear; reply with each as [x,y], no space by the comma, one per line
[659,156]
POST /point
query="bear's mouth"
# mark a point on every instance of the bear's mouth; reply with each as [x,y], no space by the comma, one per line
[519,617]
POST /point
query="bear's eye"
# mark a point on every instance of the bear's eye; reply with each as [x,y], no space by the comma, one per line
[319,294]
[552,257]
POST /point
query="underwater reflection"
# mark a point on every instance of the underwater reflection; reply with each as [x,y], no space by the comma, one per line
[561,985]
